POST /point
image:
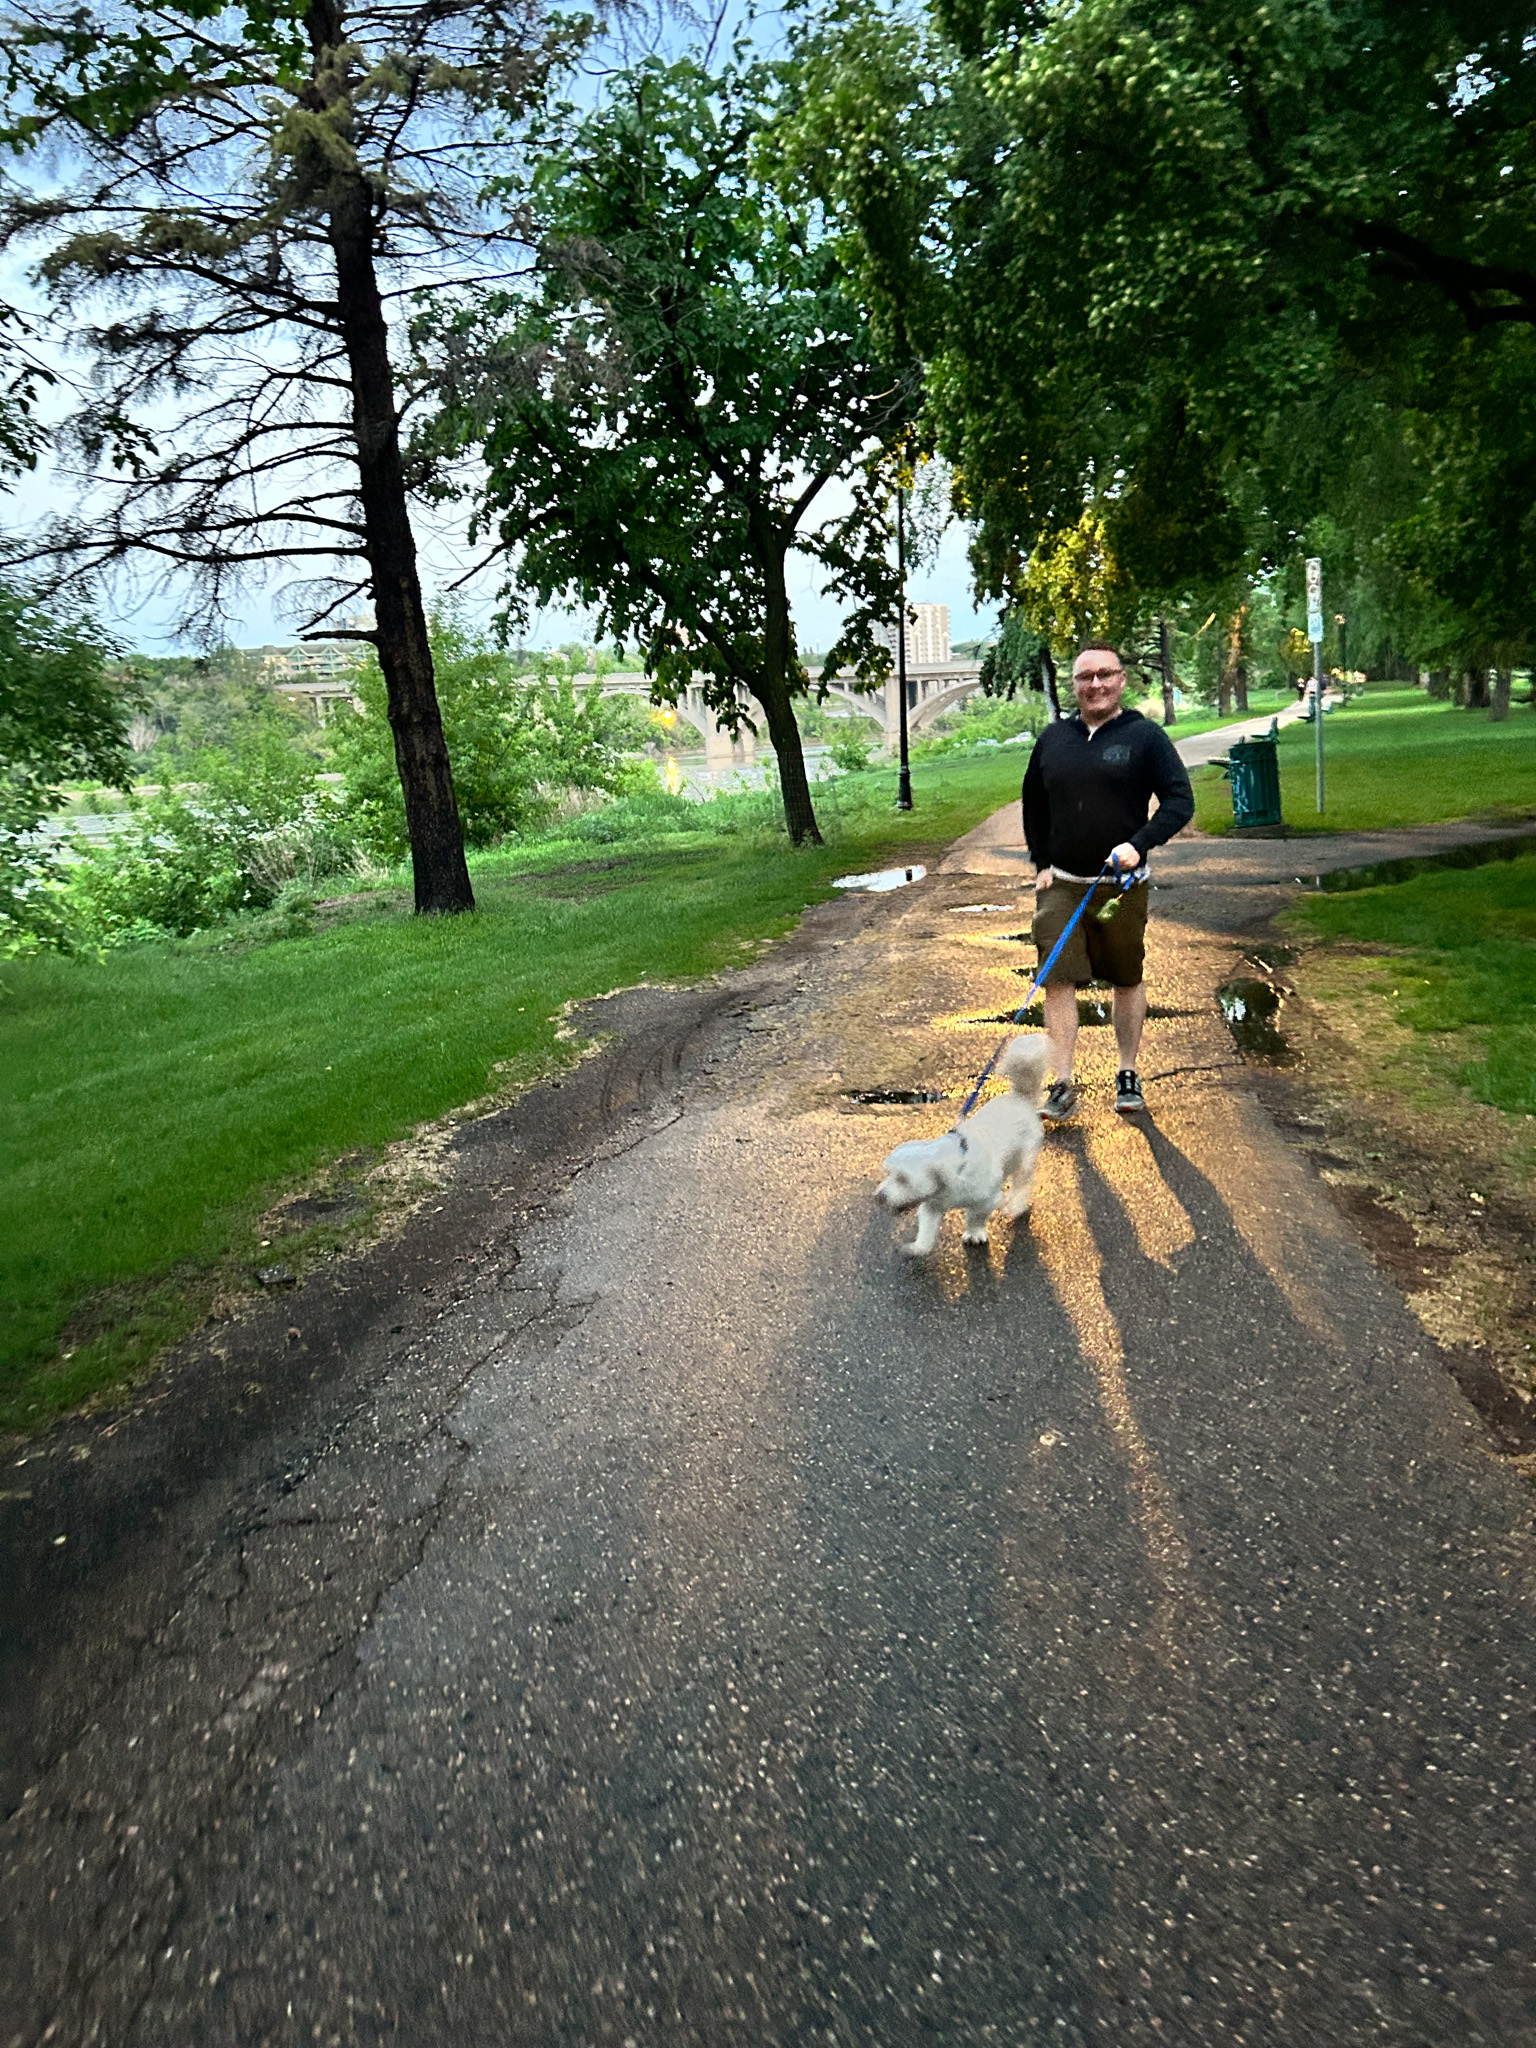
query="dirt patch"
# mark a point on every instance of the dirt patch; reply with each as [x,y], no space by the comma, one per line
[1442,1188]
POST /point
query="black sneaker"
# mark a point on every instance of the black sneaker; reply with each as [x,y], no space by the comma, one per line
[1060,1101]
[1128,1096]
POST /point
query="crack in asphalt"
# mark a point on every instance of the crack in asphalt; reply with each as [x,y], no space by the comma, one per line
[257,1703]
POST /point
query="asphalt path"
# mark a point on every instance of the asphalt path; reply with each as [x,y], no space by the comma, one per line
[638,1606]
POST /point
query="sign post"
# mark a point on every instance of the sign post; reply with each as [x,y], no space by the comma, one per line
[1315,635]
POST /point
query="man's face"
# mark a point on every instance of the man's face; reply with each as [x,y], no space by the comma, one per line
[1099,682]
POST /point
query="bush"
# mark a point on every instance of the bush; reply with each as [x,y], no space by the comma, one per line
[517,746]
[645,815]
[33,918]
[62,719]
[983,721]
[849,748]
[251,824]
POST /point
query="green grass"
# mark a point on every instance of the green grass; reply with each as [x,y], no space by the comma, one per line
[1463,956]
[1395,758]
[154,1104]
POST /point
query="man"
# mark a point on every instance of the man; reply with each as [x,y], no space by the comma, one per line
[1086,795]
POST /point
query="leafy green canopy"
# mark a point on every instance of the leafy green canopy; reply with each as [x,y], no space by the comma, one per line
[1213,272]
[660,415]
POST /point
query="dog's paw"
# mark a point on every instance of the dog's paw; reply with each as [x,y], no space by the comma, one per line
[974,1237]
[914,1250]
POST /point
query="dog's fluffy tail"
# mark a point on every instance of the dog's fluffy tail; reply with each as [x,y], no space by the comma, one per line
[1025,1064]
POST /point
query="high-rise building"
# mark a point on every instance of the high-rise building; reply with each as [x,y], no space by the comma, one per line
[927,635]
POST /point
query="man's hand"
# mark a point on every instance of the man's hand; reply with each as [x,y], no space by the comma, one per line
[1043,880]
[1125,857]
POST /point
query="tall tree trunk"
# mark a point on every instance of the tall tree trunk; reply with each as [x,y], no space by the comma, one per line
[1165,663]
[772,689]
[1048,669]
[405,655]
[1498,709]
[1477,689]
[1233,690]
[1223,683]
[794,784]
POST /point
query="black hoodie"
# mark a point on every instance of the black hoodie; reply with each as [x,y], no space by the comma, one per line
[1086,792]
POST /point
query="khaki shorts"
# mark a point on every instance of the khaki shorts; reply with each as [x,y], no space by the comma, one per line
[1112,951]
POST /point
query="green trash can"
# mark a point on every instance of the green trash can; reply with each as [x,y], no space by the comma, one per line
[1253,769]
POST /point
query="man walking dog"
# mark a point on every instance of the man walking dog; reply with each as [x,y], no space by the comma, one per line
[1086,794]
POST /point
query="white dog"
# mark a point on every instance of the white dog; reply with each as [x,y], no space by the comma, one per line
[966,1168]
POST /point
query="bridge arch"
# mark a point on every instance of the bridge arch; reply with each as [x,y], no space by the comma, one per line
[931,691]
[722,751]
[931,708]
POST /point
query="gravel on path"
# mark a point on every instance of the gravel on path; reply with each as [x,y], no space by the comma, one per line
[640,1607]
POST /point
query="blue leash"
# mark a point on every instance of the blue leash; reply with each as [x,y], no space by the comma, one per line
[1045,967]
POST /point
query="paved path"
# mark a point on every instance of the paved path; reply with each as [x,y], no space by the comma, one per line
[638,1607]
[1211,746]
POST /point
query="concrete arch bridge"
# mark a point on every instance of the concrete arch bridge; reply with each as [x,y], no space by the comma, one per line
[932,689]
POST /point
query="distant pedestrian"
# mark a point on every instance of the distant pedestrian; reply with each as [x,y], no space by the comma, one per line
[1086,796]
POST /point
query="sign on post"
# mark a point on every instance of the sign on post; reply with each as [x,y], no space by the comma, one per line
[1315,635]
[1315,599]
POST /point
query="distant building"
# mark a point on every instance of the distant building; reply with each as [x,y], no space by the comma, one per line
[319,673]
[927,635]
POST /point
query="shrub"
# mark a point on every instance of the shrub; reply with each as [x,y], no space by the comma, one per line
[251,823]
[849,748]
[62,718]
[982,721]
[516,745]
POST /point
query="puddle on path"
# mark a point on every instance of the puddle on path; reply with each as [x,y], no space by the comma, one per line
[1268,958]
[1250,1007]
[1383,871]
[865,1095]
[883,879]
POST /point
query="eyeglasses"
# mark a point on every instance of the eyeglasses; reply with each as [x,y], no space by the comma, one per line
[1096,675]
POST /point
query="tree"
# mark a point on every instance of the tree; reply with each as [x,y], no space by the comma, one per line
[1208,269]
[660,417]
[1020,659]
[62,717]
[255,191]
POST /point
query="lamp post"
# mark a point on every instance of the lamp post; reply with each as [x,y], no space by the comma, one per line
[904,774]
[1343,625]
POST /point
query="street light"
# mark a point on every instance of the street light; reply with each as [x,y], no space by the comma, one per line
[904,776]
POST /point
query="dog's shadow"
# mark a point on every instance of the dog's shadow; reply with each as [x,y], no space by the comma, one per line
[1009,1262]
[952,1271]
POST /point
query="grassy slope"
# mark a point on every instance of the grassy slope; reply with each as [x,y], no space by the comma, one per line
[1395,758]
[1463,954]
[154,1104]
